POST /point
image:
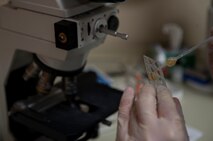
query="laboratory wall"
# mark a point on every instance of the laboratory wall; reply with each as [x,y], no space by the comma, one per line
[143,21]
[3,2]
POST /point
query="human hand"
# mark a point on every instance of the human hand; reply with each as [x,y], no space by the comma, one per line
[150,116]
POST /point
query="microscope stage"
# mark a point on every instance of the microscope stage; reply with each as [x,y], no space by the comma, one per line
[65,121]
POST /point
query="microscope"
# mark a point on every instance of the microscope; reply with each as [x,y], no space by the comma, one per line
[44,48]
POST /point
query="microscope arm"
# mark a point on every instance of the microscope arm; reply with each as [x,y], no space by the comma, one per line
[57,35]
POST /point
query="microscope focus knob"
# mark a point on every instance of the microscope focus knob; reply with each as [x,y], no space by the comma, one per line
[113,23]
[101,30]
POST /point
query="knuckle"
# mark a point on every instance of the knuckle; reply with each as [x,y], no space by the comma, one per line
[123,114]
[125,103]
[147,114]
[171,135]
[178,120]
[176,126]
[145,117]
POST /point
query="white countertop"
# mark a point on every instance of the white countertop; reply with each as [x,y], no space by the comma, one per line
[198,111]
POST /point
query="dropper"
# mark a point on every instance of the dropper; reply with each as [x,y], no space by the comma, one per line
[171,61]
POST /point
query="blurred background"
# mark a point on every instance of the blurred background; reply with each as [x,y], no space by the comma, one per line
[143,21]
[146,22]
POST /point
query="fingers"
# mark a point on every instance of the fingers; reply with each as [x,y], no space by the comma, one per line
[124,113]
[166,105]
[146,104]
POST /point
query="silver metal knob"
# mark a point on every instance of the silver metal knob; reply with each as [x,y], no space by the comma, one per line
[113,33]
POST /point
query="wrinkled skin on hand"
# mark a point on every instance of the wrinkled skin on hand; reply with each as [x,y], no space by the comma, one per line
[150,116]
